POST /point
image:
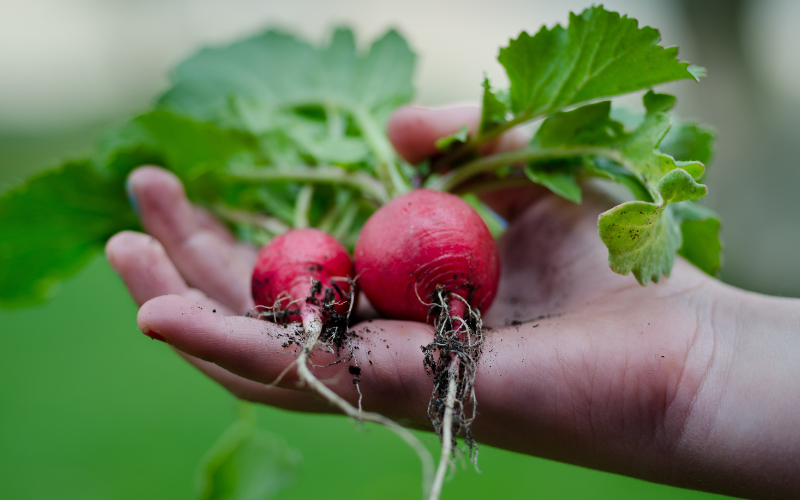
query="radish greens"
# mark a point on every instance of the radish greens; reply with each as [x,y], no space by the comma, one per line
[253,127]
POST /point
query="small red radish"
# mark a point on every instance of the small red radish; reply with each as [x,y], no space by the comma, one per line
[289,265]
[420,241]
[305,274]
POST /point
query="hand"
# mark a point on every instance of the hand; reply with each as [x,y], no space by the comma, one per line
[686,382]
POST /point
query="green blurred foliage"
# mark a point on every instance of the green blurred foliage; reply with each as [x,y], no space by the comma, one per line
[247,462]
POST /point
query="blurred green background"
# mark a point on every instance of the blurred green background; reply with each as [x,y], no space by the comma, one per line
[92,409]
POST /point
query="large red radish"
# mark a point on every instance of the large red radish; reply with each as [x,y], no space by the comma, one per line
[428,255]
[420,242]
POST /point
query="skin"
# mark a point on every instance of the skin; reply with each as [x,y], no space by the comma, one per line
[688,382]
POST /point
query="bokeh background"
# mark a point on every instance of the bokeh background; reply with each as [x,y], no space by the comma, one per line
[91,409]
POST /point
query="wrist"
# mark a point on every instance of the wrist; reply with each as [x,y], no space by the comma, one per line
[742,426]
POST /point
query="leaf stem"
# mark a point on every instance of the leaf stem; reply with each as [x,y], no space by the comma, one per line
[270,224]
[303,206]
[313,175]
[478,186]
[480,139]
[346,222]
[455,178]
[343,201]
[335,121]
[388,172]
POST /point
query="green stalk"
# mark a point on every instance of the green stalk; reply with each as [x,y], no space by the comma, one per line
[486,164]
[312,175]
[387,169]
[335,121]
[270,224]
[334,214]
[346,222]
[480,139]
[303,206]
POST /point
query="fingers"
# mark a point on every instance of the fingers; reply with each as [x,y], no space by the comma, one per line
[414,130]
[204,257]
[147,271]
[387,352]
[257,392]
[205,220]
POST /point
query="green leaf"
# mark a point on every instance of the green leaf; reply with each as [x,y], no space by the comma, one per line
[247,463]
[460,136]
[589,125]
[685,141]
[678,185]
[312,139]
[638,154]
[700,233]
[330,105]
[51,227]
[689,141]
[636,151]
[607,169]
[658,103]
[382,80]
[496,224]
[274,73]
[600,54]
[182,145]
[630,158]
[561,182]
[643,237]
[493,110]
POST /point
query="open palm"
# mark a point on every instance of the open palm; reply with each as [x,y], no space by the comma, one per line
[579,364]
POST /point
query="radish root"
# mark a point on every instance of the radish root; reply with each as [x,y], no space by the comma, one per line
[451,361]
[336,335]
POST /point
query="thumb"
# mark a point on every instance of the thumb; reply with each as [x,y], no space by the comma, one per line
[414,130]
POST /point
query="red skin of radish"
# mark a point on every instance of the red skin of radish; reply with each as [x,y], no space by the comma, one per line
[418,241]
[288,263]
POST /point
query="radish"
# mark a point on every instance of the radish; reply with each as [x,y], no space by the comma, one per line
[306,267]
[428,254]
[420,242]
[306,275]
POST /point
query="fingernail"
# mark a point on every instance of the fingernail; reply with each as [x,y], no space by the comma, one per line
[153,335]
[131,196]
